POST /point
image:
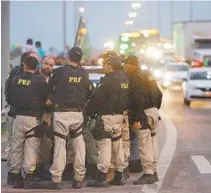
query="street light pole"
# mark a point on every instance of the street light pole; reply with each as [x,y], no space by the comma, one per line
[64,26]
[5,51]
[191,11]
[159,17]
[172,16]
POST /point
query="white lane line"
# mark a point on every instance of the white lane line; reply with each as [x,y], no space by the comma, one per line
[166,155]
[202,164]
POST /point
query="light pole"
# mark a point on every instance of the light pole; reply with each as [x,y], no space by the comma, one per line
[191,11]
[64,26]
[159,16]
[5,51]
[172,16]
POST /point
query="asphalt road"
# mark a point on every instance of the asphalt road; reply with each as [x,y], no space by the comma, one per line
[189,170]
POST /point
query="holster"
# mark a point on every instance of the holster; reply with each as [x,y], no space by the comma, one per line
[49,132]
[39,131]
[12,112]
[98,132]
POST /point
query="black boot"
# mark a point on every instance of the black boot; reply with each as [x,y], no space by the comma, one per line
[31,183]
[156,176]
[38,174]
[18,181]
[100,180]
[54,186]
[118,179]
[10,179]
[126,173]
[145,179]
[77,184]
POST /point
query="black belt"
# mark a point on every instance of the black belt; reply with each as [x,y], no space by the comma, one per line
[112,113]
[29,113]
[116,138]
[61,109]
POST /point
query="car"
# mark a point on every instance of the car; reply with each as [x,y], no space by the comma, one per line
[174,74]
[95,74]
[198,85]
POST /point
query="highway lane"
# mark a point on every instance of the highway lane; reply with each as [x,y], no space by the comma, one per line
[190,170]
[193,126]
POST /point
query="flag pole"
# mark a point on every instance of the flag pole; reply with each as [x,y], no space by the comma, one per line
[76,35]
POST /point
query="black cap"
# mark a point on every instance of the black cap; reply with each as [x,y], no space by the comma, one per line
[114,61]
[133,60]
[75,54]
[31,62]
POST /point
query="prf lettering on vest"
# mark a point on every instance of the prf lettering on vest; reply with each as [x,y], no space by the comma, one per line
[75,79]
[124,85]
[24,82]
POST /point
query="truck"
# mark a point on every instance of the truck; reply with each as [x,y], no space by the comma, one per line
[192,41]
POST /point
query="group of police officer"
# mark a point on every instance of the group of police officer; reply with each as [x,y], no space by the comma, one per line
[67,97]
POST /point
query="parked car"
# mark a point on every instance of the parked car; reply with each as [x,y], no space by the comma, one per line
[198,85]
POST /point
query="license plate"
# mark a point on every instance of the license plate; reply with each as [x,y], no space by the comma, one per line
[208,94]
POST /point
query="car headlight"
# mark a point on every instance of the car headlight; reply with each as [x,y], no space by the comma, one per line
[157,73]
[144,67]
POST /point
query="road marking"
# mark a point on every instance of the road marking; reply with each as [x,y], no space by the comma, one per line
[202,164]
[166,155]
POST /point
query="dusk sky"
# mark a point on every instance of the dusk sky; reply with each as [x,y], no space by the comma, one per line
[42,20]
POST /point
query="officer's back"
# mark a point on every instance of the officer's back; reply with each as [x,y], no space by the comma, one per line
[111,97]
[28,91]
[71,86]
[70,89]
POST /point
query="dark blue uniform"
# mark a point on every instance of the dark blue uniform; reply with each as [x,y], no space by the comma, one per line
[111,97]
[70,87]
[27,92]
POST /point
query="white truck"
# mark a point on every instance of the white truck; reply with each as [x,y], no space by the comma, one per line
[192,40]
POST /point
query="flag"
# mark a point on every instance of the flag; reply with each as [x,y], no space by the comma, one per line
[82,39]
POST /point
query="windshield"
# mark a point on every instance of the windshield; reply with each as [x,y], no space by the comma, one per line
[203,44]
[205,75]
[177,68]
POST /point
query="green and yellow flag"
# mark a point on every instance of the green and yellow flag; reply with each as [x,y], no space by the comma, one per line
[82,39]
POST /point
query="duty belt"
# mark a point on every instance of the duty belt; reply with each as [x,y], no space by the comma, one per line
[29,113]
[62,109]
[72,134]
[112,113]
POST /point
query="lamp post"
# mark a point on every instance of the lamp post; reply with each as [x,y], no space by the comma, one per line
[191,11]
[64,26]
[5,51]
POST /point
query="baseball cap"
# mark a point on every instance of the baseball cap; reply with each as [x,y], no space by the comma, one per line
[133,60]
[31,62]
[108,54]
[75,54]
[114,61]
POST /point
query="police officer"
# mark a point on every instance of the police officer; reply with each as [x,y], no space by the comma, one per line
[152,113]
[27,94]
[109,101]
[70,89]
[11,109]
[143,111]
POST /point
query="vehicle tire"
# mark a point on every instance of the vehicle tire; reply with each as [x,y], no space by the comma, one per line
[187,102]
